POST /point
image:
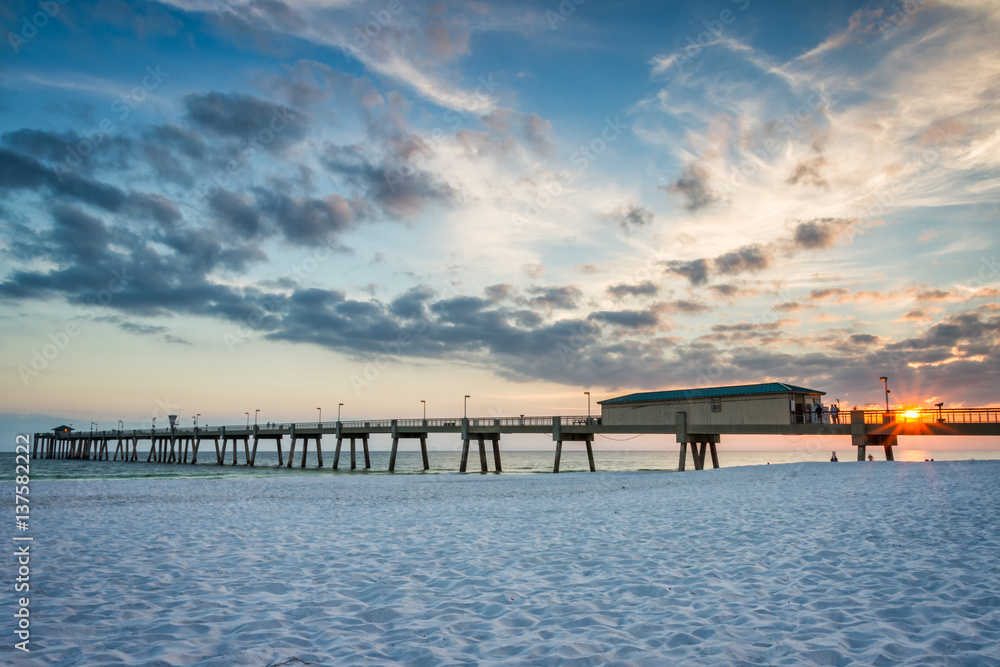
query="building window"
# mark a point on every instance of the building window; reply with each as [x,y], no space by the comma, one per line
[716,405]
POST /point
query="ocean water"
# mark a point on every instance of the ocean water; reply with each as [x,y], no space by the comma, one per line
[446,462]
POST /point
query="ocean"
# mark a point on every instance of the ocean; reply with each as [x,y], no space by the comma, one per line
[447,462]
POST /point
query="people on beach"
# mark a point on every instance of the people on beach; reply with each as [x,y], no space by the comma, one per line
[834,414]
[833,459]
[871,458]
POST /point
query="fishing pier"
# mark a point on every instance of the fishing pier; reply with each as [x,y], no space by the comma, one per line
[176,445]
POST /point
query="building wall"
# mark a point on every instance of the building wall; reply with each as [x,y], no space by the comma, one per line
[736,410]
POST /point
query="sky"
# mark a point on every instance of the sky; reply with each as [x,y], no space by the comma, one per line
[215,207]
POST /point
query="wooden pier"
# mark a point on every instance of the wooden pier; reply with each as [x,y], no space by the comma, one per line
[872,428]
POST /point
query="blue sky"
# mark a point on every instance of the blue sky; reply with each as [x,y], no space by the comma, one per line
[214,207]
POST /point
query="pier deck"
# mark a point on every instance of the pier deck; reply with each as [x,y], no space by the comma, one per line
[172,445]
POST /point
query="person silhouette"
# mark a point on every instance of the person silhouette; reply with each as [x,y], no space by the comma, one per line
[833,459]
[871,458]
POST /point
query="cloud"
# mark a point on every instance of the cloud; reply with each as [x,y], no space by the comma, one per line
[808,173]
[750,258]
[645,288]
[259,122]
[693,187]
[632,217]
[696,271]
[307,221]
[399,189]
[628,319]
[821,233]
[565,298]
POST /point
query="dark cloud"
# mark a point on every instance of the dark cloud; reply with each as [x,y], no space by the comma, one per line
[693,186]
[808,173]
[726,291]
[21,172]
[827,293]
[246,118]
[933,295]
[696,271]
[629,319]
[496,293]
[864,339]
[685,306]
[632,217]
[237,213]
[956,330]
[412,303]
[750,258]
[565,298]
[401,190]
[306,221]
[645,288]
[820,233]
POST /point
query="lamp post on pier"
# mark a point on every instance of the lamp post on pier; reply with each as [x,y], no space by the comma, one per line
[255,413]
[588,405]
[196,419]
[248,419]
[465,412]
[121,425]
[885,381]
[320,411]
[424,403]
[339,405]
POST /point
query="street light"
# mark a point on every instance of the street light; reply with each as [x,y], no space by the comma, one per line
[885,381]
[121,424]
[248,419]
[320,411]
[255,413]
[588,406]
[196,419]
[466,410]
[339,405]
[154,423]
[425,409]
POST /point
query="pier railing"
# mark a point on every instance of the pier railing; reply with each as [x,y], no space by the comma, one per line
[934,416]
[925,416]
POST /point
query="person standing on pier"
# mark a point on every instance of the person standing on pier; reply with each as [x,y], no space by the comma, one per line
[819,413]
[834,414]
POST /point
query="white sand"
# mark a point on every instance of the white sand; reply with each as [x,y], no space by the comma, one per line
[829,564]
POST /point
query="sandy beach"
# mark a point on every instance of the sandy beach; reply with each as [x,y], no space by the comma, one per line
[827,564]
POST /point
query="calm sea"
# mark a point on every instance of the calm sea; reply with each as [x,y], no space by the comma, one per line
[409,462]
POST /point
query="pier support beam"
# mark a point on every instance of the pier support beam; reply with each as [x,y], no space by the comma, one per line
[291,447]
[586,438]
[397,435]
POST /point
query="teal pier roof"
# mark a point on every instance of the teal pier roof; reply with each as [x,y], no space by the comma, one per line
[712,392]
